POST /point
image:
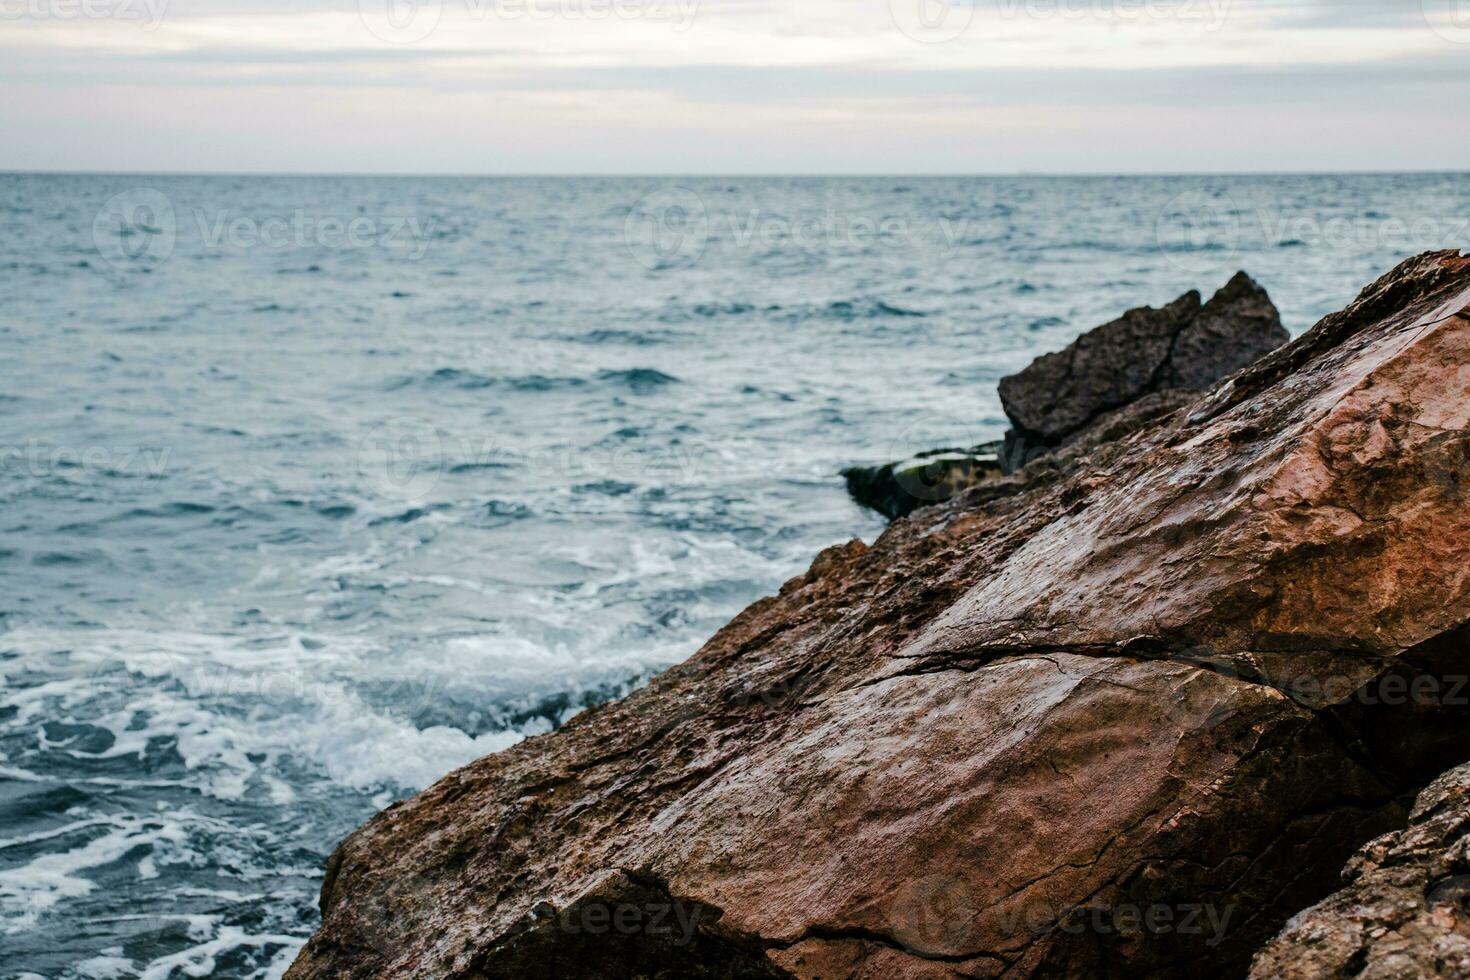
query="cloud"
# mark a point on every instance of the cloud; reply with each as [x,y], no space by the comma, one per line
[660,67]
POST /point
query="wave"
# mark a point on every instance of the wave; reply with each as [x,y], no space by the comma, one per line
[181,508]
[722,309]
[640,381]
[630,338]
[465,380]
[848,310]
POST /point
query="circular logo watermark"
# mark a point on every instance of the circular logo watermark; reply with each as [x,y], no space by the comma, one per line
[943,467]
[669,227]
[388,921]
[931,21]
[136,226]
[1198,232]
[1192,707]
[934,915]
[1450,19]
[1453,891]
[402,458]
[400,21]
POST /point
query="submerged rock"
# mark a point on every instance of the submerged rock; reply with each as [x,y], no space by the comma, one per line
[1104,720]
[1405,912]
[898,489]
[1182,346]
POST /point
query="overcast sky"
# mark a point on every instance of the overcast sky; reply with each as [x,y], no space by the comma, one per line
[734,86]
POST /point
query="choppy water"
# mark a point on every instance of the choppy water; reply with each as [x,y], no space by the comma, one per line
[314,489]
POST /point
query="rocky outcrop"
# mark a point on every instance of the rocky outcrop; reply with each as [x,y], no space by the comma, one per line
[1183,346]
[898,489]
[1405,913]
[1111,382]
[1119,716]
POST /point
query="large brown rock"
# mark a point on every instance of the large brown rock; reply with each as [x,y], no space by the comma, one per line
[1106,719]
[1182,346]
[1405,913]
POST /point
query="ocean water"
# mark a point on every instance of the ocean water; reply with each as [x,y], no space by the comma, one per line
[313,489]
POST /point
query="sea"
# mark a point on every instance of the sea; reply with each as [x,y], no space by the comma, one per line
[313,489]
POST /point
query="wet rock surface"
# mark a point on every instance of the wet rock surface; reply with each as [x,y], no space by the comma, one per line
[1405,912]
[1105,717]
[1184,345]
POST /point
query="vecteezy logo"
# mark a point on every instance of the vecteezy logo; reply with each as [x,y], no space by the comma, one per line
[1199,232]
[400,21]
[667,228]
[135,227]
[943,466]
[934,915]
[1453,891]
[1199,702]
[931,21]
[1450,19]
[402,458]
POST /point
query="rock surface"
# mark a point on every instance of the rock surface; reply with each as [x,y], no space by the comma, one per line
[1405,912]
[1182,346]
[1105,718]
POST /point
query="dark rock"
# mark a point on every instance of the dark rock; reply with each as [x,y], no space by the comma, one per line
[1110,383]
[1181,346]
[1015,455]
[1104,718]
[898,489]
[1238,326]
[1105,368]
[1405,912]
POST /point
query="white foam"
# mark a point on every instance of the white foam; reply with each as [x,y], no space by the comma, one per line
[110,965]
[275,722]
[201,960]
[281,794]
[29,889]
[226,702]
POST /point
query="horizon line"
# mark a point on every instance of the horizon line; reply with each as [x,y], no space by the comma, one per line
[738,175]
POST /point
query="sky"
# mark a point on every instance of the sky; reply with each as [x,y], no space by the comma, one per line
[734,86]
